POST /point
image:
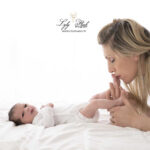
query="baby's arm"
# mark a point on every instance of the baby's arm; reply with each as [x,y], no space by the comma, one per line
[45,117]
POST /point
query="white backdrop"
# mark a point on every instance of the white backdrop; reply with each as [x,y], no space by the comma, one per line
[39,63]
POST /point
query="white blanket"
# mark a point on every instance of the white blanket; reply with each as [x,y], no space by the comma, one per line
[72,136]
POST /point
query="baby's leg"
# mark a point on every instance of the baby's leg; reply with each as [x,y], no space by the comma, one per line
[89,110]
[107,104]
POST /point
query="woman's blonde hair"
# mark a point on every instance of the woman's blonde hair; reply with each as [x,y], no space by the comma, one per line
[128,38]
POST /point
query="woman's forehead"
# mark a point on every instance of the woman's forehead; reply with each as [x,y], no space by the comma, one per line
[108,52]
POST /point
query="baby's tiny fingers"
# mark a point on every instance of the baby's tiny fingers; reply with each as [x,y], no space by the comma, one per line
[51,105]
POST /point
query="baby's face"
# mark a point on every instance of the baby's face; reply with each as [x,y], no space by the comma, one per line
[25,112]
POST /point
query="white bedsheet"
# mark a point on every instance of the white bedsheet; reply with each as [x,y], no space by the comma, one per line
[72,136]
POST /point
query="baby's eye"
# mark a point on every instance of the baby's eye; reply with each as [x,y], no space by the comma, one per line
[25,105]
[23,114]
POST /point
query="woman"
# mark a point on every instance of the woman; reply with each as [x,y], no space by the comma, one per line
[126,46]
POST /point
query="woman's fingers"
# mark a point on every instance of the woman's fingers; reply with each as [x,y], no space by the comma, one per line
[114,109]
[116,79]
[112,90]
[117,89]
[112,120]
[116,83]
[124,98]
[113,114]
[108,94]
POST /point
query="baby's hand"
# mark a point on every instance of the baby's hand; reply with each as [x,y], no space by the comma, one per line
[49,104]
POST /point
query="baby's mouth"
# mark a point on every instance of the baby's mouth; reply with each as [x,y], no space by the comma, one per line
[32,110]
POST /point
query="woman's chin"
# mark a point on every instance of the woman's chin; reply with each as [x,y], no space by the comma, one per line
[127,81]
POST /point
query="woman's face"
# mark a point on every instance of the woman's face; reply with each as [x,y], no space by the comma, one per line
[124,68]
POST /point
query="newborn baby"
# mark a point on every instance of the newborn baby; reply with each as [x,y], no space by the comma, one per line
[49,116]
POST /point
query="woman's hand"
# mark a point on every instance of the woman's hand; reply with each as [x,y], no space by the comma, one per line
[112,93]
[126,115]
[115,89]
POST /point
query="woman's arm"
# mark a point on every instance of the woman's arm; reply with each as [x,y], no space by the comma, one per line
[142,122]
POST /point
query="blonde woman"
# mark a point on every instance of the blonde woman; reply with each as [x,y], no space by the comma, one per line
[126,47]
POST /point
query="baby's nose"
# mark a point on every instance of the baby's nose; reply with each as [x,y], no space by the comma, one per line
[28,108]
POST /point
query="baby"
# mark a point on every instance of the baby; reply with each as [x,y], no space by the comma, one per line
[49,116]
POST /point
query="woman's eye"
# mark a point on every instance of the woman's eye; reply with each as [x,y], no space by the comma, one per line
[112,60]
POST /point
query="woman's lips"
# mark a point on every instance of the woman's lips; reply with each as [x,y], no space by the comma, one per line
[118,77]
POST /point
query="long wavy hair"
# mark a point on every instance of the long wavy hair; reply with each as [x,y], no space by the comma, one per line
[128,38]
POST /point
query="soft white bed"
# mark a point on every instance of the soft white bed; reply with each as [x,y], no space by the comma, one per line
[81,136]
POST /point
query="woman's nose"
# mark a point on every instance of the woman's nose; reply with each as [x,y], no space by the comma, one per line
[111,69]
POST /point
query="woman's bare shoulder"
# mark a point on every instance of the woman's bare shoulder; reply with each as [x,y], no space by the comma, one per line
[138,105]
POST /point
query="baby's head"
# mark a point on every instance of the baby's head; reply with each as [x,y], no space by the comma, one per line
[22,113]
